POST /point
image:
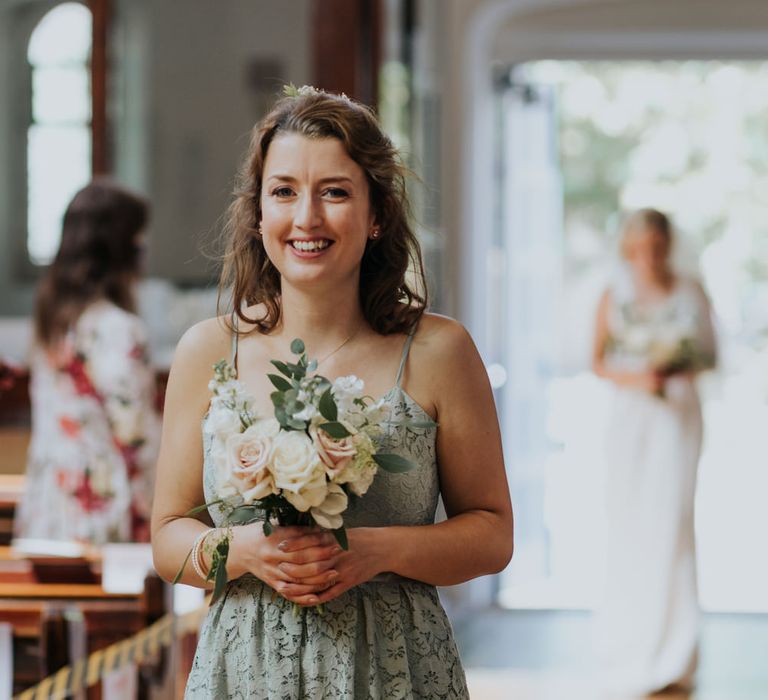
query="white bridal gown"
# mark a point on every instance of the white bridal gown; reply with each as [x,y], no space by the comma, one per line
[647,626]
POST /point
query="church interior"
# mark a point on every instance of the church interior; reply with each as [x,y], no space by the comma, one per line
[531,127]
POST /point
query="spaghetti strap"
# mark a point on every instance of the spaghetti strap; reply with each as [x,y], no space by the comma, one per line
[235,338]
[406,349]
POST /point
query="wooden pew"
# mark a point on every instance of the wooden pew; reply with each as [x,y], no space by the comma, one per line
[11,487]
[56,623]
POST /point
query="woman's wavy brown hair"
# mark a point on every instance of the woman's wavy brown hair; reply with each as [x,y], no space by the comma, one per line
[390,303]
[98,258]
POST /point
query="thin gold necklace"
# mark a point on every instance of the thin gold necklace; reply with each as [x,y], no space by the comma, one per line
[333,352]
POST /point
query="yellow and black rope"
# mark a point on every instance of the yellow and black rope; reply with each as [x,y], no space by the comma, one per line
[87,672]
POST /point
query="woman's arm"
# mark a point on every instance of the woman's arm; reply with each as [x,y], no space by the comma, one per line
[649,381]
[477,538]
[179,482]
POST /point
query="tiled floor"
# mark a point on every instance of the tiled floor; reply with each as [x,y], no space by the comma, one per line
[546,655]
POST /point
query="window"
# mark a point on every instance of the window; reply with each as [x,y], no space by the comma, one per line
[59,135]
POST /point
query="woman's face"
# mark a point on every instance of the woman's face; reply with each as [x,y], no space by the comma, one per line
[316,213]
[647,250]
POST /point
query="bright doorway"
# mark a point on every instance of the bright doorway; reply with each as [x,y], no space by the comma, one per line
[578,142]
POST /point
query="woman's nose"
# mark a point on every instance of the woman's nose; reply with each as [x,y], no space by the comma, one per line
[307,215]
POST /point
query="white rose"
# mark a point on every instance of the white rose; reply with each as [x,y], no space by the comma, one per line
[248,456]
[312,494]
[298,470]
[328,513]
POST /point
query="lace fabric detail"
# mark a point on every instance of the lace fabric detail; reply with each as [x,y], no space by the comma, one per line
[386,639]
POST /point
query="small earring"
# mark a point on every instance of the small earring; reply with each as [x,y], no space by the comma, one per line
[261,233]
[375,232]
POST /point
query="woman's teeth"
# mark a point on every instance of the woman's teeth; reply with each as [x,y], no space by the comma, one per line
[309,246]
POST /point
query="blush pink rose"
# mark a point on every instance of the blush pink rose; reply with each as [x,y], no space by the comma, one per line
[336,455]
[248,463]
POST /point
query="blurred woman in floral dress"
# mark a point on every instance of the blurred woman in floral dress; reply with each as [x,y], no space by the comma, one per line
[95,428]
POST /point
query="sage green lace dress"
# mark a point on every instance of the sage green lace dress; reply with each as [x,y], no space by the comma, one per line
[386,639]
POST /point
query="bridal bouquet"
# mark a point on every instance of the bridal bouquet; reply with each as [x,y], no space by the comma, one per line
[298,466]
[669,348]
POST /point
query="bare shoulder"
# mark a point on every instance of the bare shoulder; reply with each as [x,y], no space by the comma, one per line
[439,335]
[199,349]
[442,346]
[206,342]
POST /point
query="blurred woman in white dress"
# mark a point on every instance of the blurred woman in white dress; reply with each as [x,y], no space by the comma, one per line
[654,334]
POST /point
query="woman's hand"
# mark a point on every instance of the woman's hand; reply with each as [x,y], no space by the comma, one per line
[360,563]
[298,562]
[651,382]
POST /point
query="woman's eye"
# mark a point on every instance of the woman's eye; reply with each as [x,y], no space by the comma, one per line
[282,192]
[336,193]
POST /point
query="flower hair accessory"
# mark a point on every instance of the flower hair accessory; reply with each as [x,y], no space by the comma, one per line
[290,90]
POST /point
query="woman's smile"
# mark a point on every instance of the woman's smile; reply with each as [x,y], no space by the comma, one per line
[309,247]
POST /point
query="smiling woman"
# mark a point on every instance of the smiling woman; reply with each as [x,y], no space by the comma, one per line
[363,168]
[316,210]
[319,248]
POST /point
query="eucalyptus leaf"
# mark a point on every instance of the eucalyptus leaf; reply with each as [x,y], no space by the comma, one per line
[220,581]
[336,430]
[282,367]
[341,537]
[395,464]
[180,572]
[279,382]
[278,398]
[312,366]
[297,424]
[297,371]
[200,509]
[297,346]
[243,515]
[327,406]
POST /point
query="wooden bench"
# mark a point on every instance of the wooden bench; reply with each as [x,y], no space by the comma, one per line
[54,624]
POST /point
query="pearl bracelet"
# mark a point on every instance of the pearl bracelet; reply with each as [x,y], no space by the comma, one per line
[197,551]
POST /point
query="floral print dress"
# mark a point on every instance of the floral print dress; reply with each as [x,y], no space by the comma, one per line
[95,434]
